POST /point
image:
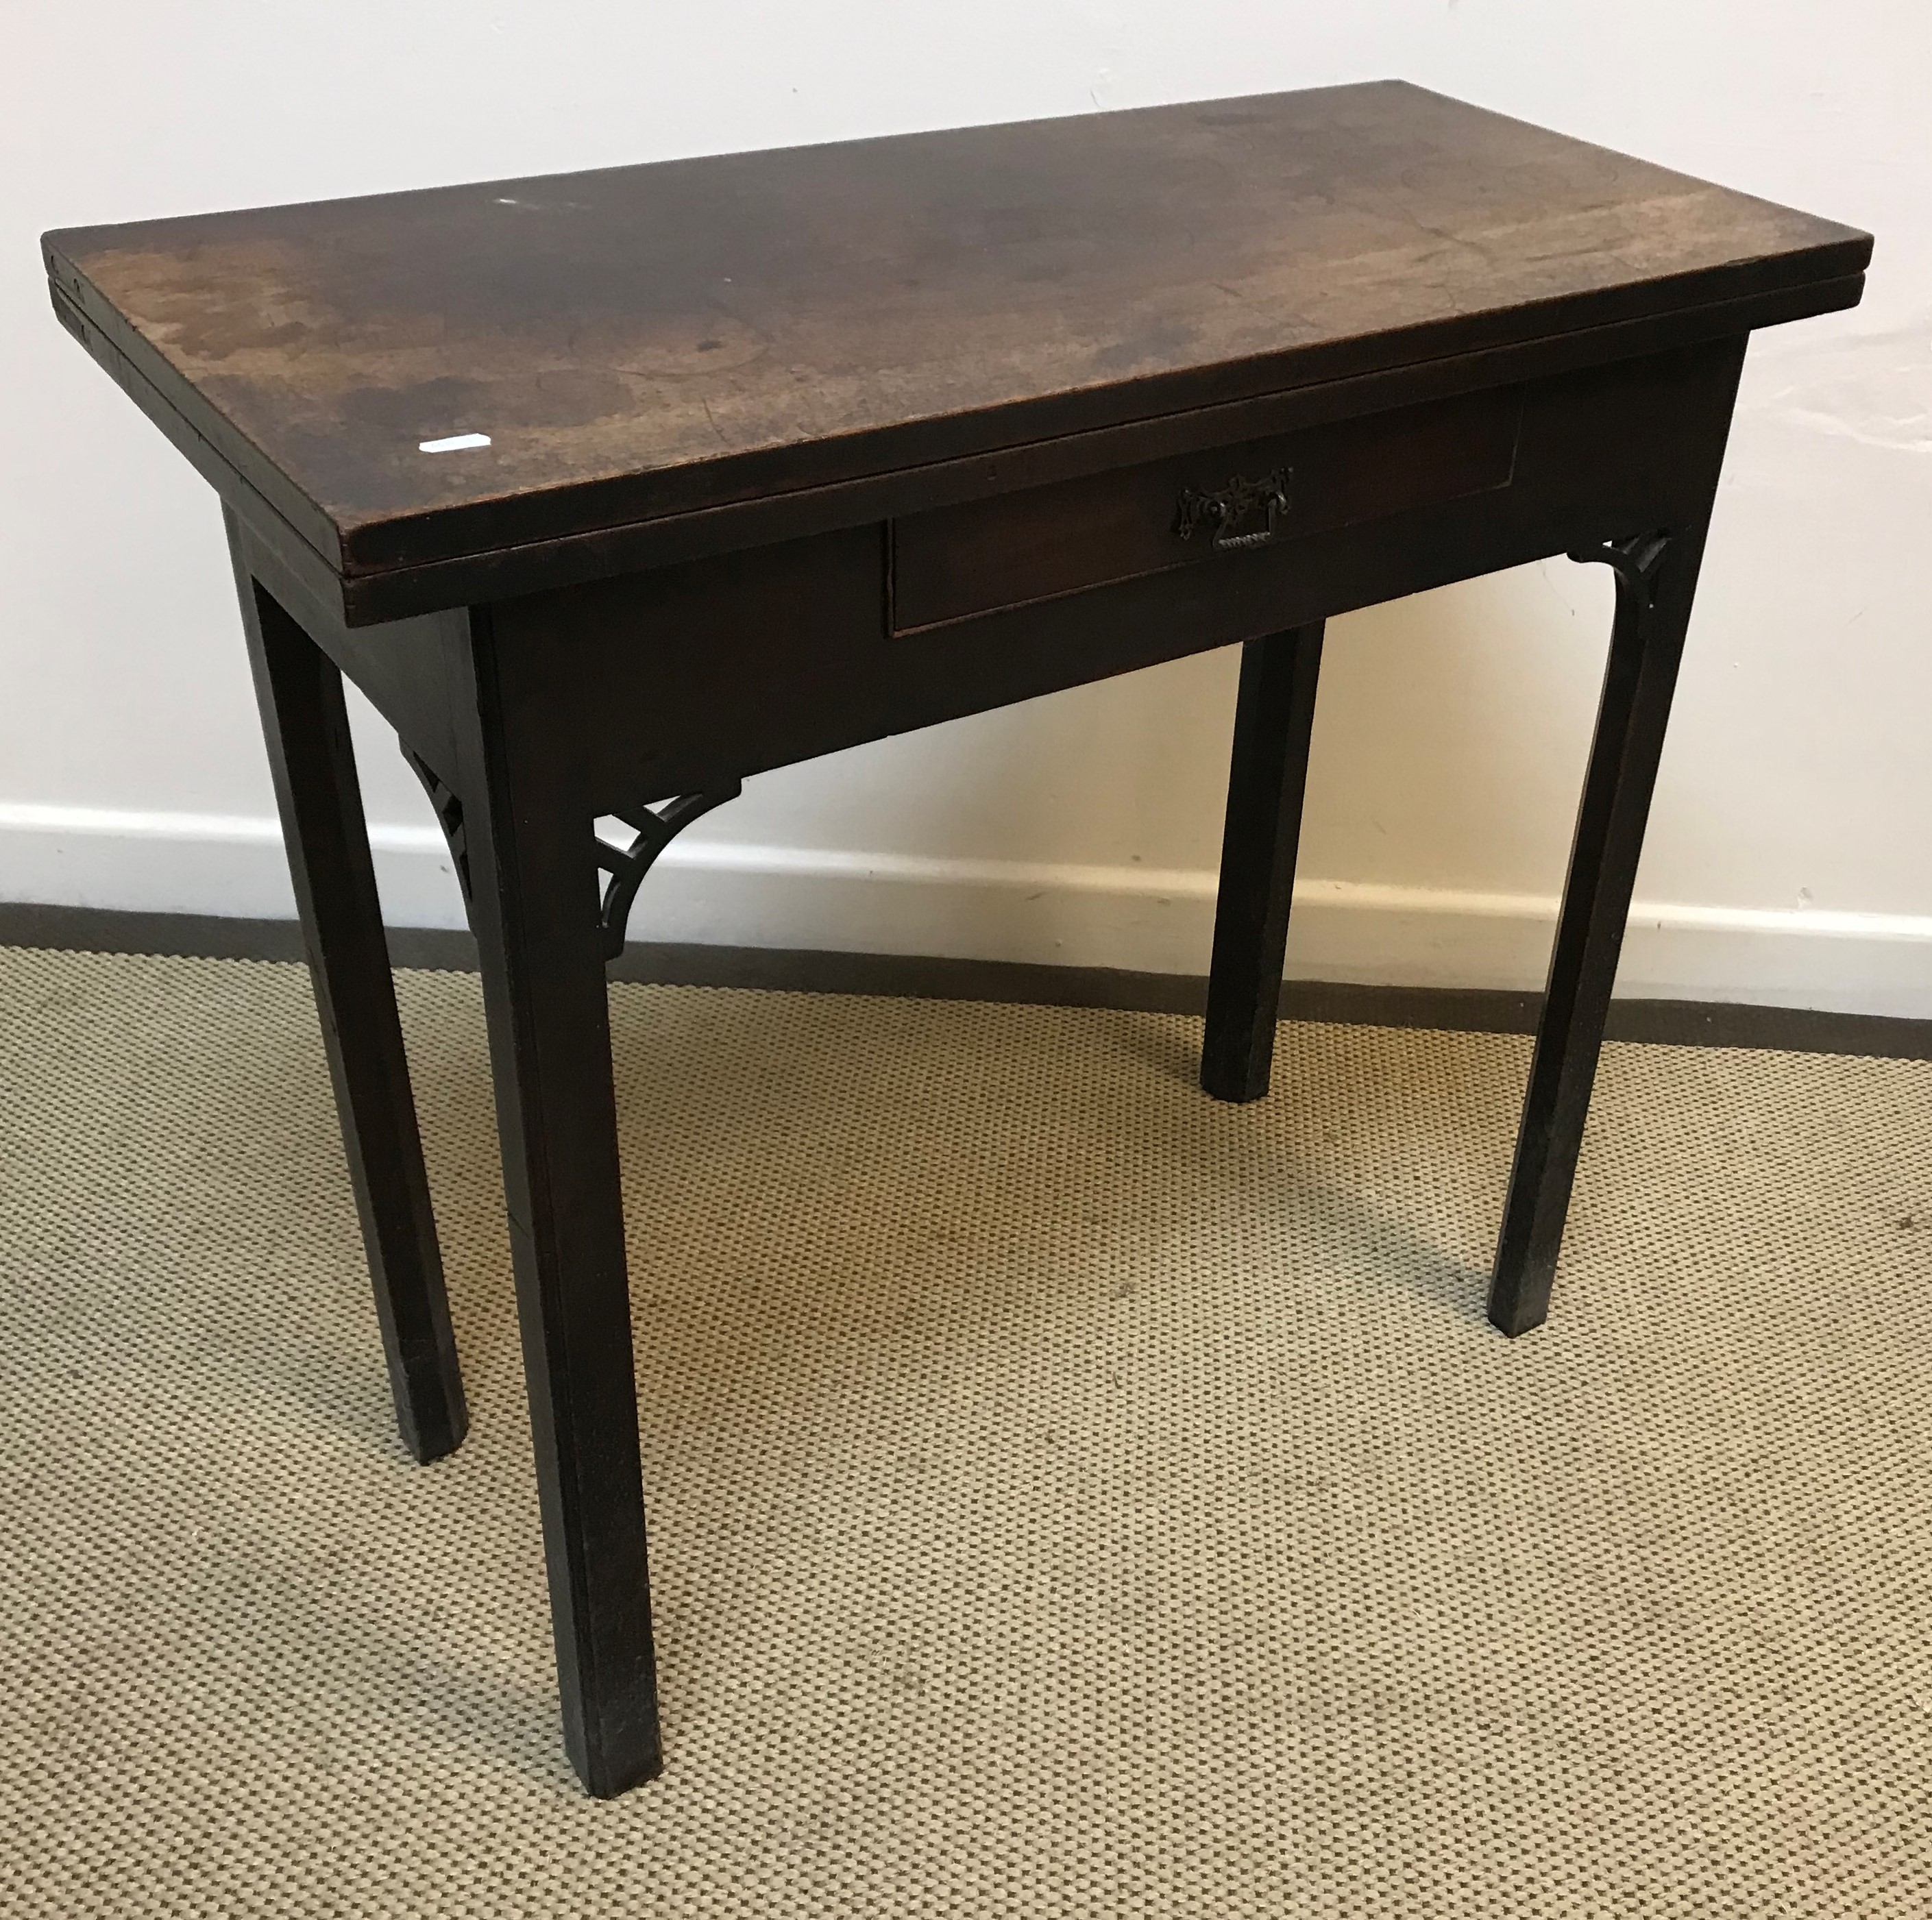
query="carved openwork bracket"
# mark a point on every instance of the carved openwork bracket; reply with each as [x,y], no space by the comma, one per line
[1637,562]
[449,816]
[656,828]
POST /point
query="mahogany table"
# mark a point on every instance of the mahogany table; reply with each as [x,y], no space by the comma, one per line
[611,488]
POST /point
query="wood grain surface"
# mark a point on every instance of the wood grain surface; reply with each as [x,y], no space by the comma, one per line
[643,341]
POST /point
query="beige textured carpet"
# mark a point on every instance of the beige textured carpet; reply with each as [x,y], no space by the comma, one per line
[1068,1496]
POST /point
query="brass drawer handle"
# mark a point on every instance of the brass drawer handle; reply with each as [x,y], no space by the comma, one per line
[1231,511]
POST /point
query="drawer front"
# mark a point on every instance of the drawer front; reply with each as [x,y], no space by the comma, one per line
[1212,509]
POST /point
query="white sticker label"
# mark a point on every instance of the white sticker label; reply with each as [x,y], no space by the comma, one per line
[455,443]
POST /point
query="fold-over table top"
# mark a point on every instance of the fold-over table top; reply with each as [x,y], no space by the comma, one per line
[643,341]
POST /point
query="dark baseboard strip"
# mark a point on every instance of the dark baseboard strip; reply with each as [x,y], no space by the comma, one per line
[1670,1022]
[183,936]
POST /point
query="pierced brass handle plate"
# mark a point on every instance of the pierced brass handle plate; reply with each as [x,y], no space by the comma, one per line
[1244,513]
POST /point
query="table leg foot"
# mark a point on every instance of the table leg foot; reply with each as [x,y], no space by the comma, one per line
[529,832]
[1273,720]
[1656,577]
[306,725]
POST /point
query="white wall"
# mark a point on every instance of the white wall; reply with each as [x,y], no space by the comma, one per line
[1790,855]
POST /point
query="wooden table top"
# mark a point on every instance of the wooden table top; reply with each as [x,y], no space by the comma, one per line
[644,340]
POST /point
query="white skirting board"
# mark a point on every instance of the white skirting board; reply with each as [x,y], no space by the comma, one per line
[731,894]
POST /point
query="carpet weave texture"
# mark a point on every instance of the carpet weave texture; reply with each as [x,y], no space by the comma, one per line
[1068,1495]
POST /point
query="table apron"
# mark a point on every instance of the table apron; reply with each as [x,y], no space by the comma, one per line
[684,677]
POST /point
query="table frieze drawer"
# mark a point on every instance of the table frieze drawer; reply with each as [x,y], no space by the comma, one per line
[1215,508]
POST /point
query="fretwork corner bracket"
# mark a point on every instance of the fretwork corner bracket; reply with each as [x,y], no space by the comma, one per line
[1637,561]
[655,828]
[448,815]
